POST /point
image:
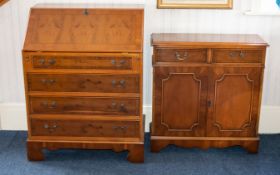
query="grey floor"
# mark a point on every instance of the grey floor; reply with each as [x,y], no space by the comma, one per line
[170,161]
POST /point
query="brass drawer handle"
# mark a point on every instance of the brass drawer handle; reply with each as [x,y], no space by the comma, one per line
[51,81]
[86,128]
[92,125]
[241,54]
[86,12]
[46,81]
[46,126]
[114,105]
[52,61]
[51,128]
[51,105]
[42,61]
[122,62]
[114,82]
[232,54]
[121,83]
[121,107]
[181,58]
[120,128]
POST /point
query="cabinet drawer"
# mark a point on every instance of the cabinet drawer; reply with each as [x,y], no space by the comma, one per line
[84,105]
[88,128]
[83,83]
[181,55]
[237,56]
[82,62]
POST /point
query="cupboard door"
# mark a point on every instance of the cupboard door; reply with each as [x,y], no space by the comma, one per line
[180,96]
[235,97]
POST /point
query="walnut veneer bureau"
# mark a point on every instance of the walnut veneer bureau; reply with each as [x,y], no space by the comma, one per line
[207,90]
[83,79]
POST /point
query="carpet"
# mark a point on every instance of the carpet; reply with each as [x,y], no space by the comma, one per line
[170,161]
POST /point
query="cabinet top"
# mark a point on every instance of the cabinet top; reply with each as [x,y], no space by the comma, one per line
[57,28]
[207,40]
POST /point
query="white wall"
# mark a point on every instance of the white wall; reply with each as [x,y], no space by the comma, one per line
[13,21]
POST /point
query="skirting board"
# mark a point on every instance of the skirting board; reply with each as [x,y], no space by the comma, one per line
[13,117]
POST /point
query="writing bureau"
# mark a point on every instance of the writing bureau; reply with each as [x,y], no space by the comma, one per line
[83,79]
[207,90]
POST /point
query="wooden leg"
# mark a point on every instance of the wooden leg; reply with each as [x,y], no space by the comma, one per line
[118,148]
[157,145]
[136,153]
[35,151]
[252,148]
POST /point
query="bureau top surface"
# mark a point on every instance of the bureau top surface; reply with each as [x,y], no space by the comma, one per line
[207,40]
[85,28]
[87,5]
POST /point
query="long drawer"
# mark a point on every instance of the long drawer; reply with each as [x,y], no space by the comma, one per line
[84,105]
[89,128]
[83,83]
[82,62]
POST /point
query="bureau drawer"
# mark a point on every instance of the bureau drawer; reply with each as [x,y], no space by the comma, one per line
[84,105]
[82,62]
[85,128]
[83,83]
[237,56]
[181,55]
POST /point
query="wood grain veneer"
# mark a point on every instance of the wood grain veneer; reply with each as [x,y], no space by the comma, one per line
[83,79]
[209,102]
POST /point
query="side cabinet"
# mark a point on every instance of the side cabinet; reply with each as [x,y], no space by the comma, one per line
[207,90]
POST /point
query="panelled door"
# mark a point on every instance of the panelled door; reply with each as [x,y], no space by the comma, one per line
[234,94]
[180,101]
